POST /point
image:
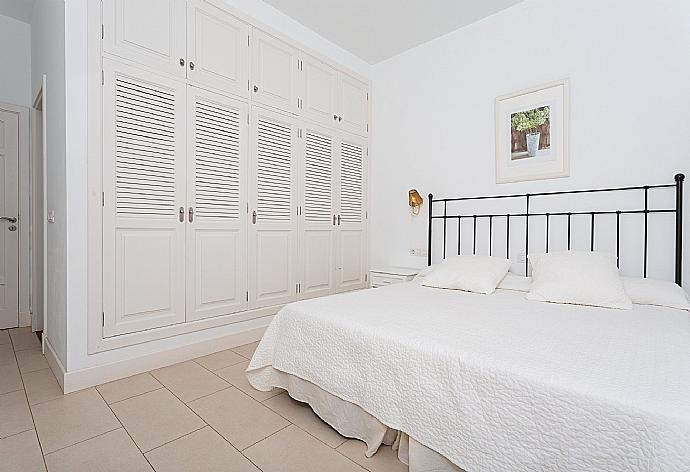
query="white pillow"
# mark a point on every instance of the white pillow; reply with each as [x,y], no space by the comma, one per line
[479,274]
[656,292]
[579,278]
[515,282]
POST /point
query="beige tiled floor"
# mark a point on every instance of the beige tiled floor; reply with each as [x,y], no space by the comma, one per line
[197,415]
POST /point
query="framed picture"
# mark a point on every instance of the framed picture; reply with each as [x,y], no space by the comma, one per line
[532,134]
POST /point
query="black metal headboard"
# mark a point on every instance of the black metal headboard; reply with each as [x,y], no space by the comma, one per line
[527,215]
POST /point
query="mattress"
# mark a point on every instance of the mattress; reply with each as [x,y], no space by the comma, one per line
[497,382]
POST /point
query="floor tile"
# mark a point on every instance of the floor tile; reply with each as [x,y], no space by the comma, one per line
[220,359]
[303,416]
[41,386]
[385,459]
[71,419]
[21,453]
[23,338]
[7,355]
[110,452]
[126,388]
[30,360]
[293,450]
[203,450]
[155,418]
[15,416]
[240,419]
[247,350]
[10,380]
[5,337]
[189,381]
[237,376]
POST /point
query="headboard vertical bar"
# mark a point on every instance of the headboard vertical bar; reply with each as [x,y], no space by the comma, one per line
[646,215]
[527,235]
[459,233]
[547,232]
[428,243]
[445,214]
[679,227]
[491,232]
[474,235]
[618,239]
[507,236]
[591,238]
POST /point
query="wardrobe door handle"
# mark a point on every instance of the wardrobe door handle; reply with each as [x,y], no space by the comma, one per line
[256,88]
[181,214]
[338,220]
[254,217]
[340,118]
[191,214]
[191,65]
[182,62]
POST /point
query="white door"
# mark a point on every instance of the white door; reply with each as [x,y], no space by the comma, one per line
[273,209]
[9,212]
[318,211]
[144,197]
[217,49]
[353,106]
[319,91]
[351,245]
[274,72]
[217,210]
[150,32]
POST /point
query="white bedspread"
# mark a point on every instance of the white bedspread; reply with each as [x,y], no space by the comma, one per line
[497,382]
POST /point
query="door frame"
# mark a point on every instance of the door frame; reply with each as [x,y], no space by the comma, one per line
[23,271]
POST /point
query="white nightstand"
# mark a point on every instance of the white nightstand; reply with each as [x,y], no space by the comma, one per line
[391,275]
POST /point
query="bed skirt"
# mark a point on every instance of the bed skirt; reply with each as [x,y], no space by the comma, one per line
[352,421]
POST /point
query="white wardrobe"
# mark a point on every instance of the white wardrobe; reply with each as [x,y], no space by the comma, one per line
[234,168]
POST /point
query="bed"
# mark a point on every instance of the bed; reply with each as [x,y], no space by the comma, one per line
[463,381]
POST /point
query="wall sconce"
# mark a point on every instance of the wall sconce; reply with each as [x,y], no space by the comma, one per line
[415,201]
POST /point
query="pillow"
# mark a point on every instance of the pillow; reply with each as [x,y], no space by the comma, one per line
[656,292]
[479,274]
[515,282]
[579,278]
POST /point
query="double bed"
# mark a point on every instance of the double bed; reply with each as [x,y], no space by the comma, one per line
[465,381]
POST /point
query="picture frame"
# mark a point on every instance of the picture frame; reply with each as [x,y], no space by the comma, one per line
[532,133]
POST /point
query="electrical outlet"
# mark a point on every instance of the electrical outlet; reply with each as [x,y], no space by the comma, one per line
[419,252]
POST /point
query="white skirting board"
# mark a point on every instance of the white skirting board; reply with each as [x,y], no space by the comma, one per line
[91,376]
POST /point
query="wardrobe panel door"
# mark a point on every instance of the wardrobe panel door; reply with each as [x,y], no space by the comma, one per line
[273,203]
[150,32]
[351,223]
[317,225]
[216,214]
[319,94]
[217,49]
[353,105]
[144,189]
[274,72]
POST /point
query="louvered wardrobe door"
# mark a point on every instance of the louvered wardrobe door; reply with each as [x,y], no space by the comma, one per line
[318,220]
[216,214]
[144,189]
[351,245]
[273,209]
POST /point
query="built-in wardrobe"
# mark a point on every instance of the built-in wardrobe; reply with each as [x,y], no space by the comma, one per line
[234,167]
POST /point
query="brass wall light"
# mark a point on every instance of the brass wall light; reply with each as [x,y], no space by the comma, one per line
[415,200]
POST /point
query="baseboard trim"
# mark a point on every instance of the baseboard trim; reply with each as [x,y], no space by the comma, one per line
[92,376]
[55,364]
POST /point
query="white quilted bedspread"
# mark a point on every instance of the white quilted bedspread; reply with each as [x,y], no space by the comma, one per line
[497,382]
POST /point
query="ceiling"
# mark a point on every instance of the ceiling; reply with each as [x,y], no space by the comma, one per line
[375,30]
[18,9]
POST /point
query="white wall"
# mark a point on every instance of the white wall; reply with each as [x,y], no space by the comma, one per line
[48,57]
[433,106]
[76,179]
[15,62]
